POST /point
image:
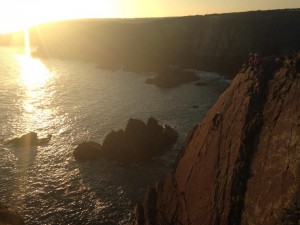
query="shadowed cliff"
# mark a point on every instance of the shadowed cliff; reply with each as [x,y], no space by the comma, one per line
[218,42]
[241,164]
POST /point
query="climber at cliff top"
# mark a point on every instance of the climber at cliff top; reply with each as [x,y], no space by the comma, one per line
[251,59]
[257,58]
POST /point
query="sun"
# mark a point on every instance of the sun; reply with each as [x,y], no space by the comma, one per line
[17,15]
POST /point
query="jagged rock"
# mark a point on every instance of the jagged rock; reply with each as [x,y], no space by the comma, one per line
[171,78]
[139,142]
[87,151]
[28,140]
[241,164]
[9,216]
[112,147]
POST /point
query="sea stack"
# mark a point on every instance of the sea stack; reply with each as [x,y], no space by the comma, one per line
[138,143]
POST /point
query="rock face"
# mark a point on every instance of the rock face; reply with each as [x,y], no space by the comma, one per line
[171,78]
[139,142]
[242,163]
[10,216]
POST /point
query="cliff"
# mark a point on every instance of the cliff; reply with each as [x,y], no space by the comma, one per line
[218,42]
[242,162]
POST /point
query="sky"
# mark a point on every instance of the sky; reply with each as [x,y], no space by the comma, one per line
[19,14]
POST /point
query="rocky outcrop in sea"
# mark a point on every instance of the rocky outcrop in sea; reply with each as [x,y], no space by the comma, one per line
[241,165]
[28,140]
[139,142]
[172,77]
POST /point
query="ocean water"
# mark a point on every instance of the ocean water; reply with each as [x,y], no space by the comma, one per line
[75,101]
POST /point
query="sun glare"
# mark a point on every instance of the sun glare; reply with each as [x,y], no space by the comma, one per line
[33,73]
[16,15]
[27,42]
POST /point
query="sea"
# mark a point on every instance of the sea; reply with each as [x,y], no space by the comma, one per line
[75,101]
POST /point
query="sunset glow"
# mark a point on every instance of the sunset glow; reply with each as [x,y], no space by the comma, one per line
[18,14]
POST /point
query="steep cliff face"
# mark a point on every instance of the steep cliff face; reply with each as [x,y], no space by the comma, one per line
[242,162]
[219,42]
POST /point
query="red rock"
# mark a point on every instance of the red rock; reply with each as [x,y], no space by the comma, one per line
[242,163]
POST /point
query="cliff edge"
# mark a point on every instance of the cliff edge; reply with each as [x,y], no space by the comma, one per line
[242,163]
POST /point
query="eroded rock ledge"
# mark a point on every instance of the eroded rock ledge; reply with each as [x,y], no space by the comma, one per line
[242,163]
[139,142]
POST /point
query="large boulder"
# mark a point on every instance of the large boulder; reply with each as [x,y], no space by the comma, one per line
[139,142]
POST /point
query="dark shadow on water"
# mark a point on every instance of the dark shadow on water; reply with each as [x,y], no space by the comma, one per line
[118,186]
[25,155]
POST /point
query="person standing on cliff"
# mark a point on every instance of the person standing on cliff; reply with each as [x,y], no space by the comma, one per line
[251,59]
[256,59]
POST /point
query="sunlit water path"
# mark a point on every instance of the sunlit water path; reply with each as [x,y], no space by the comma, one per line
[75,101]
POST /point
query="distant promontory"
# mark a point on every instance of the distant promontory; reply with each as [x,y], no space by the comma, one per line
[217,42]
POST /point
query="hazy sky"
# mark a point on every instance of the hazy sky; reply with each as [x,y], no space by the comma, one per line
[19,13]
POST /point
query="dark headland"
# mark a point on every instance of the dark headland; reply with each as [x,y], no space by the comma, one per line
[217,42]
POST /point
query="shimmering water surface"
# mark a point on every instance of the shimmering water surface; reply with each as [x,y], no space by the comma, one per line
[74,101]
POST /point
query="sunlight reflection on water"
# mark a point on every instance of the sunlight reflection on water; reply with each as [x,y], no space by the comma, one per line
[33,73]
[36,103]
[77,102]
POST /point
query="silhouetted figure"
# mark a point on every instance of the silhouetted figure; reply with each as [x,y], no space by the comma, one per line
[257,59]
[251,59]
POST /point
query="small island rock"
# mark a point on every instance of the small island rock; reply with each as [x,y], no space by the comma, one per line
[172,77]
[139,142]
[28,140]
